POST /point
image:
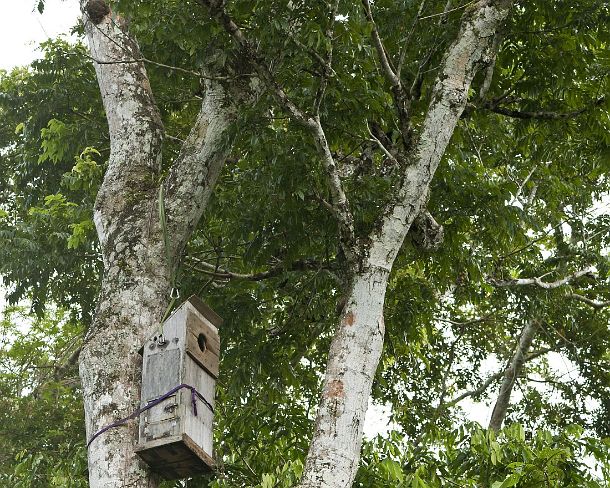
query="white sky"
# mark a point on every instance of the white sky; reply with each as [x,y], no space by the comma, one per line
[22,28]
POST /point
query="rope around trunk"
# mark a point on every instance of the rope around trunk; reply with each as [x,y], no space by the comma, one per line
[152,403]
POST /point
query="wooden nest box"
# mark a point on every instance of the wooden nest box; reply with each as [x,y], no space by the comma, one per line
[179,373]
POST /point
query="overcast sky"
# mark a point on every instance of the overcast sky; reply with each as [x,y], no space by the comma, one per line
[22,28]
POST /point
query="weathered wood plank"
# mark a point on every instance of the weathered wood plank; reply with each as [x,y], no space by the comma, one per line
[174,441]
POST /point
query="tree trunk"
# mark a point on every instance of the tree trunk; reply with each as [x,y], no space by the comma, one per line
[110,369]
[354,354]
[513,369]
[136,278]
[334,454]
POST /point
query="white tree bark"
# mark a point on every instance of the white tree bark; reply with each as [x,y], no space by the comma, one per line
[354,354]
[334,453]
[136,281]
[512,371]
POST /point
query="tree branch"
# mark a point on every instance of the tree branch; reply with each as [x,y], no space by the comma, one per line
[399,95]
[547,285]
[490,380]
[426,233]
[522,185]
[405,41]
[142,59]
[313,53]
[592,303]
[386,64]
[510,373]
[217,10]
[223,273]
[447,102]
[384,149]
[448,11]
[134,127]
[195,170]
[327,67]
[312,123]
[541,114]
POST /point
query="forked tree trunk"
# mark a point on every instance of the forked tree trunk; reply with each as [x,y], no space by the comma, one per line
[136,280]
[334,454]
[136,277]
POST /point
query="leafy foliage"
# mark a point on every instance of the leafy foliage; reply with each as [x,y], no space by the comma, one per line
[42,428]
[519,195]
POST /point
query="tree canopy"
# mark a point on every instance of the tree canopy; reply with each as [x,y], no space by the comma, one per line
[521,194]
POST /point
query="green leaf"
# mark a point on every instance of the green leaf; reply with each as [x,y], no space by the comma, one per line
[510,480]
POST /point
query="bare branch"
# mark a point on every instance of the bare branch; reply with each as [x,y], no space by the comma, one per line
[541,114]
[146,60]
[448,11]
[222,273]
[547,285]
[592,303]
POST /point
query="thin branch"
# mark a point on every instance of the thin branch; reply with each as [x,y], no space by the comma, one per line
[174,138]
[386,64]
[490,380]
[592,303]
[150,61]
[384,149]
[522,185]
[405,41]
[415,89]
[314,54]
[547,285]
[399,94]
[312,123]
[541,114]
[217,10]
[477,391]
[467,322]
[327,67]
[450,360]
[445,12]
[216,271]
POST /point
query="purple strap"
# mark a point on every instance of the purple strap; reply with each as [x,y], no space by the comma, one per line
[152,403]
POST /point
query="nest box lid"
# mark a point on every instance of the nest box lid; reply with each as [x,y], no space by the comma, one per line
[204,310]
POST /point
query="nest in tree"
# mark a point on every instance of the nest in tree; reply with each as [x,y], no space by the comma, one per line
[97,10]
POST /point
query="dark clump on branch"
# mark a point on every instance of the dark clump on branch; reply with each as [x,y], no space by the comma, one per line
[97,10]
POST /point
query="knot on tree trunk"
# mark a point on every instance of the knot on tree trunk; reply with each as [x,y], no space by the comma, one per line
[97,10]
[426,233]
